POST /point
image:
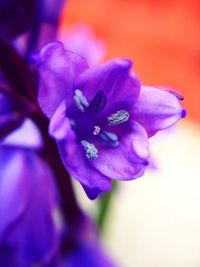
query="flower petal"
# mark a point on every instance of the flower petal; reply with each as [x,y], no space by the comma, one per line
[78,166]
[11,187]
[73,155]
[89,254]
[33,137]
[114,79]
[58,68]
[93,193]
[27,202]
[60,126]
[128,160]
[157,109]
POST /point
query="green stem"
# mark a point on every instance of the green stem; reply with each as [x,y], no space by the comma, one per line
[104,206]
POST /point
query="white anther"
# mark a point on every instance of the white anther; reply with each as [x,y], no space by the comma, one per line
[91,151]
[82,98]
[118,117]
[78,103]
[78,92]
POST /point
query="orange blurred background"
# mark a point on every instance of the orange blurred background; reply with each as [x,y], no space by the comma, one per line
[161,37]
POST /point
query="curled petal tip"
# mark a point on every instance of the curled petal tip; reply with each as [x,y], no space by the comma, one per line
[183,113]
[123,63]
[92,193]
[177,95]
[48,47]
[145,162]
[180,97]
[126,63]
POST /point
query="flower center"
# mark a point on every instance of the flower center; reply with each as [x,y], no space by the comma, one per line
[88,117]
[99,101]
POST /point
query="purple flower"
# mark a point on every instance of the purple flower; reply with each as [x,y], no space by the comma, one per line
[88,250]
[101,117]
[87,255]
[28,232]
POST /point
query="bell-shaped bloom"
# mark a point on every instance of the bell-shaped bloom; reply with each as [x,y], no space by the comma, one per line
[28,230]
[81,40]
[101,117]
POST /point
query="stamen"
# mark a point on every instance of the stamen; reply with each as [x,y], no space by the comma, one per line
[109,138]
[80,100]
[91,151]
[118,117]
[98,102]
[78,103]
[97,129]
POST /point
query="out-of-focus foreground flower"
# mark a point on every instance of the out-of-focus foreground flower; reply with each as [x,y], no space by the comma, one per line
[87,251]
[101,117]
[87,255]
[31,225]
[28,231]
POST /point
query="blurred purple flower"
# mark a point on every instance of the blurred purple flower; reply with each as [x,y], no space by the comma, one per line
[81,40]
[101,117]
[87,255]
[88,250]
[28,232]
